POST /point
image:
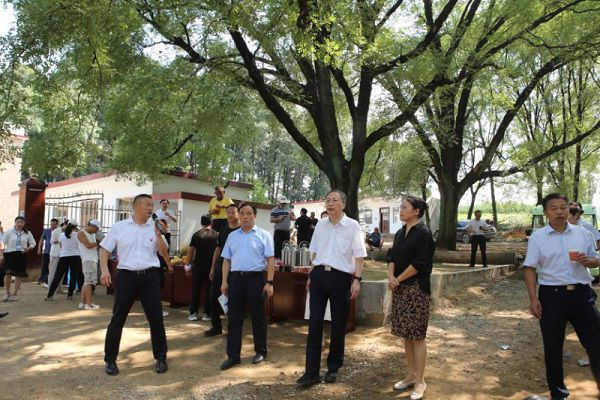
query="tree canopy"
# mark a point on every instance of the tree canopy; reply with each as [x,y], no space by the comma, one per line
[154,84]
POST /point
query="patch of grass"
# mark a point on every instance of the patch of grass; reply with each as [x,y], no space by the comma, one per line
[507,220]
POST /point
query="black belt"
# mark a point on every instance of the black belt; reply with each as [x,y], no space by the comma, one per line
[329,268]
[139,271]
[248,273]
[568,288]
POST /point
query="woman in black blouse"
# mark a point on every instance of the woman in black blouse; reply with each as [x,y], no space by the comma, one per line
[409,268]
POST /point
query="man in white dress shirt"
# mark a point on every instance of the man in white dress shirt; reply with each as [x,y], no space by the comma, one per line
[137,240]
[338,252]
[558,258]
[477,229]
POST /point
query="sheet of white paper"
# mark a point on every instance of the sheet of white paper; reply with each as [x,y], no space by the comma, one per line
[223,301]
[327,316]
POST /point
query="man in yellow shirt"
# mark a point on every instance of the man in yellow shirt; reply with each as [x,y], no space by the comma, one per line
[217,208]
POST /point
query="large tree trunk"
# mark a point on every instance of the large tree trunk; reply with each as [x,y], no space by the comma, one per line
[473,198]
[539,184]
[577,172]
[494,207]
[449,198]
[424,195]
[348,181]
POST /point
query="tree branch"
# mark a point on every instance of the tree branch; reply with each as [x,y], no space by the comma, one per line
[534,160]
[498,137]
[271,102]
[422,46]
[389,13]
[180,146]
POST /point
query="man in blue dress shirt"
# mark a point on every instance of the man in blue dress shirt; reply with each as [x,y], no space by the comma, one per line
[247,252]
[558,258]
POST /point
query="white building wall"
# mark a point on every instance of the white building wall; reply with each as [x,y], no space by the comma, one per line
[372,204]
[178,184]
[10,177]
[311,206]
[112,186]
[192,211]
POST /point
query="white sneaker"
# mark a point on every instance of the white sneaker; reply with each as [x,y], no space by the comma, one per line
[91,307]
[45,285]
[205,317]
[193,317]
[165,313]
[81,306]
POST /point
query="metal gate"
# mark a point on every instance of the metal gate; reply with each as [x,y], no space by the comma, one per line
[90,205]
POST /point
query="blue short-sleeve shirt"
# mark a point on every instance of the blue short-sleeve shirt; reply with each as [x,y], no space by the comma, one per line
[248,251]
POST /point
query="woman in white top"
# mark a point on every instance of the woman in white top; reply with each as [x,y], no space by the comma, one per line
[88,249]
[17,242]
[69,259]
[55,254]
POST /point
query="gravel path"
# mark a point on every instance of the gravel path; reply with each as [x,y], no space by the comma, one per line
[51,350]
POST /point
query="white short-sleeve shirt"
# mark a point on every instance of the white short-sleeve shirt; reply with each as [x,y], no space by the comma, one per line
[548,253]
[55,247]
[338,245]
[162,215]
[136,244]
[69,246]
[11,237]
[477,227]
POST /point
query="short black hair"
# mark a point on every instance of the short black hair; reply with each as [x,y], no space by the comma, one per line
[19,218]
[141,196]
[477,211]
[54,220]
[205,220]
[252,206]
[304,211]
[417,203]
[161,201]
[232,205]
[553,196]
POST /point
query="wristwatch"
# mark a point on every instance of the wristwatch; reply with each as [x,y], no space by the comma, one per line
[270,283]
[358,278]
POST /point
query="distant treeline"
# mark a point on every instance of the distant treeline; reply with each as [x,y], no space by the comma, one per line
[509,206]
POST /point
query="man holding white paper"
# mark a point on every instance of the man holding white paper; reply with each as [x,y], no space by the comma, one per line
[247,252]
[216,274]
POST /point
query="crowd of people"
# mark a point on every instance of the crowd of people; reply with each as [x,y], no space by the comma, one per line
[237,258]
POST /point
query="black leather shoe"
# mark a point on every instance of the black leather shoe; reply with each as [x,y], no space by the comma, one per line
[257,359]
[4,314]
[306,380]
[330,377]
[213,332]
[161,365]
[230,362]
[111,368]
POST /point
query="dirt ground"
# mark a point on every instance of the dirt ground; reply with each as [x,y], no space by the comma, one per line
[51,350]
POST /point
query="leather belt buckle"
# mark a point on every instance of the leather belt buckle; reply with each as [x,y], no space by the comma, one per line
[570,287]
[327,268]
